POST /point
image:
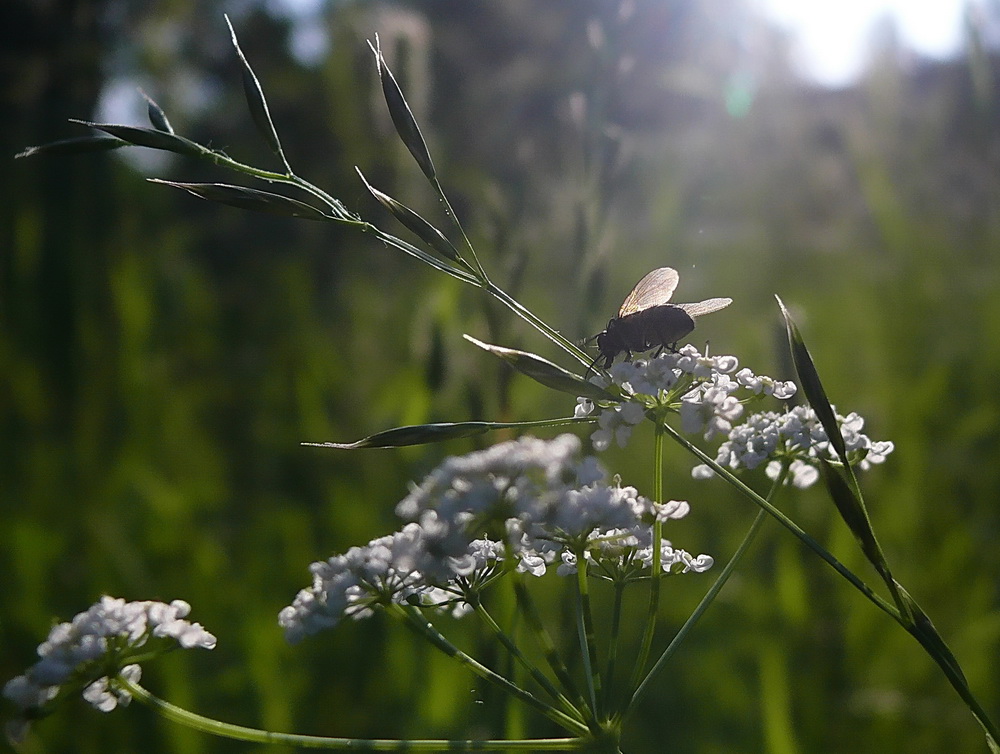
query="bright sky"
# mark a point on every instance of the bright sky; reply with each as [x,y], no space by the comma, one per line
[833,37]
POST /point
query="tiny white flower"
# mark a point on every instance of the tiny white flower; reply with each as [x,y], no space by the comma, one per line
[698,564]
[702,471]
[98,640]
[671,509]
[533,565]
[796,438]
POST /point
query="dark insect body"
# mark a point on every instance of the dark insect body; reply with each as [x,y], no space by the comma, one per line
[646,321]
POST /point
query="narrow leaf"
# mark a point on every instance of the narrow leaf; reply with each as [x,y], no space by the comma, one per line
[545,372]
[402,117]
[421,434]
[811,385]
[250,199]
[151,137]
[852,510]
[415,223]
[77,145]
[255,99]
[927,634]
[156,115]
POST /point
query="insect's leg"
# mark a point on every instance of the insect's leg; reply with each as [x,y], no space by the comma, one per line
[592,364]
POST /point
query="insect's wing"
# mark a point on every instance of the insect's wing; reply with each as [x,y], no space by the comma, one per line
[705,307]
[654,289]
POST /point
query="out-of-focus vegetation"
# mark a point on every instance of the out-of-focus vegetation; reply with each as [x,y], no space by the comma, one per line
[161,358]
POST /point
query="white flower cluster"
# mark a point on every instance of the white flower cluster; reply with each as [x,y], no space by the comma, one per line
[707,391]
[628,553]
[100,640]
[795,437]
[537,499]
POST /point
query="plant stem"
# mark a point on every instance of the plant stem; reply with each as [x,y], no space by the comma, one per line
[785,521]
[616,623]
[585,628]
[657,571]
[516,653]
[552,657]
[539,324]
[416,622]
[707,600]
[255,735]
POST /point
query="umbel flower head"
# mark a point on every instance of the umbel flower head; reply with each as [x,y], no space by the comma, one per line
[709,393]
[796,438]
[518,505]
[90,652]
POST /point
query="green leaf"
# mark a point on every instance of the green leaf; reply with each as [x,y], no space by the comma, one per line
[250,199]
[156,115]
[76,145]
[421,434]
[415,223]
[811,385]
[925,632]
[418,434]
[256,103]
[545,372]
[852,510]
[152,138]
[402,117]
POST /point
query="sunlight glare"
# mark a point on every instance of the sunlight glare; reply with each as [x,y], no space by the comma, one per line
[832,40]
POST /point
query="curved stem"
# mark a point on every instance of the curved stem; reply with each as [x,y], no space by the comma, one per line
[255,735]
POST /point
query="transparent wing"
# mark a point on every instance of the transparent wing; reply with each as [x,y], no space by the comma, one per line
[705,307]
[654,289]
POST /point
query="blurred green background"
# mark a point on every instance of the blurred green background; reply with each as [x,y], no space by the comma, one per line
[162,357]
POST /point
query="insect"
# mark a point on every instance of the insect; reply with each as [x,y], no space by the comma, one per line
[645,319]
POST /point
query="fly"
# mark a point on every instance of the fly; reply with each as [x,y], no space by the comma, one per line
[645,319]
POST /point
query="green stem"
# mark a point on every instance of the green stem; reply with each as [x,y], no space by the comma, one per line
[958,682]
[613,641]
[516,653]
[657,571]
[539,324]
[255,735]
[707,600]
[548,646]
[585,629]
[458,224]
[413,251]
[930,642]
[794,528]
[478,277]
[416,622]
